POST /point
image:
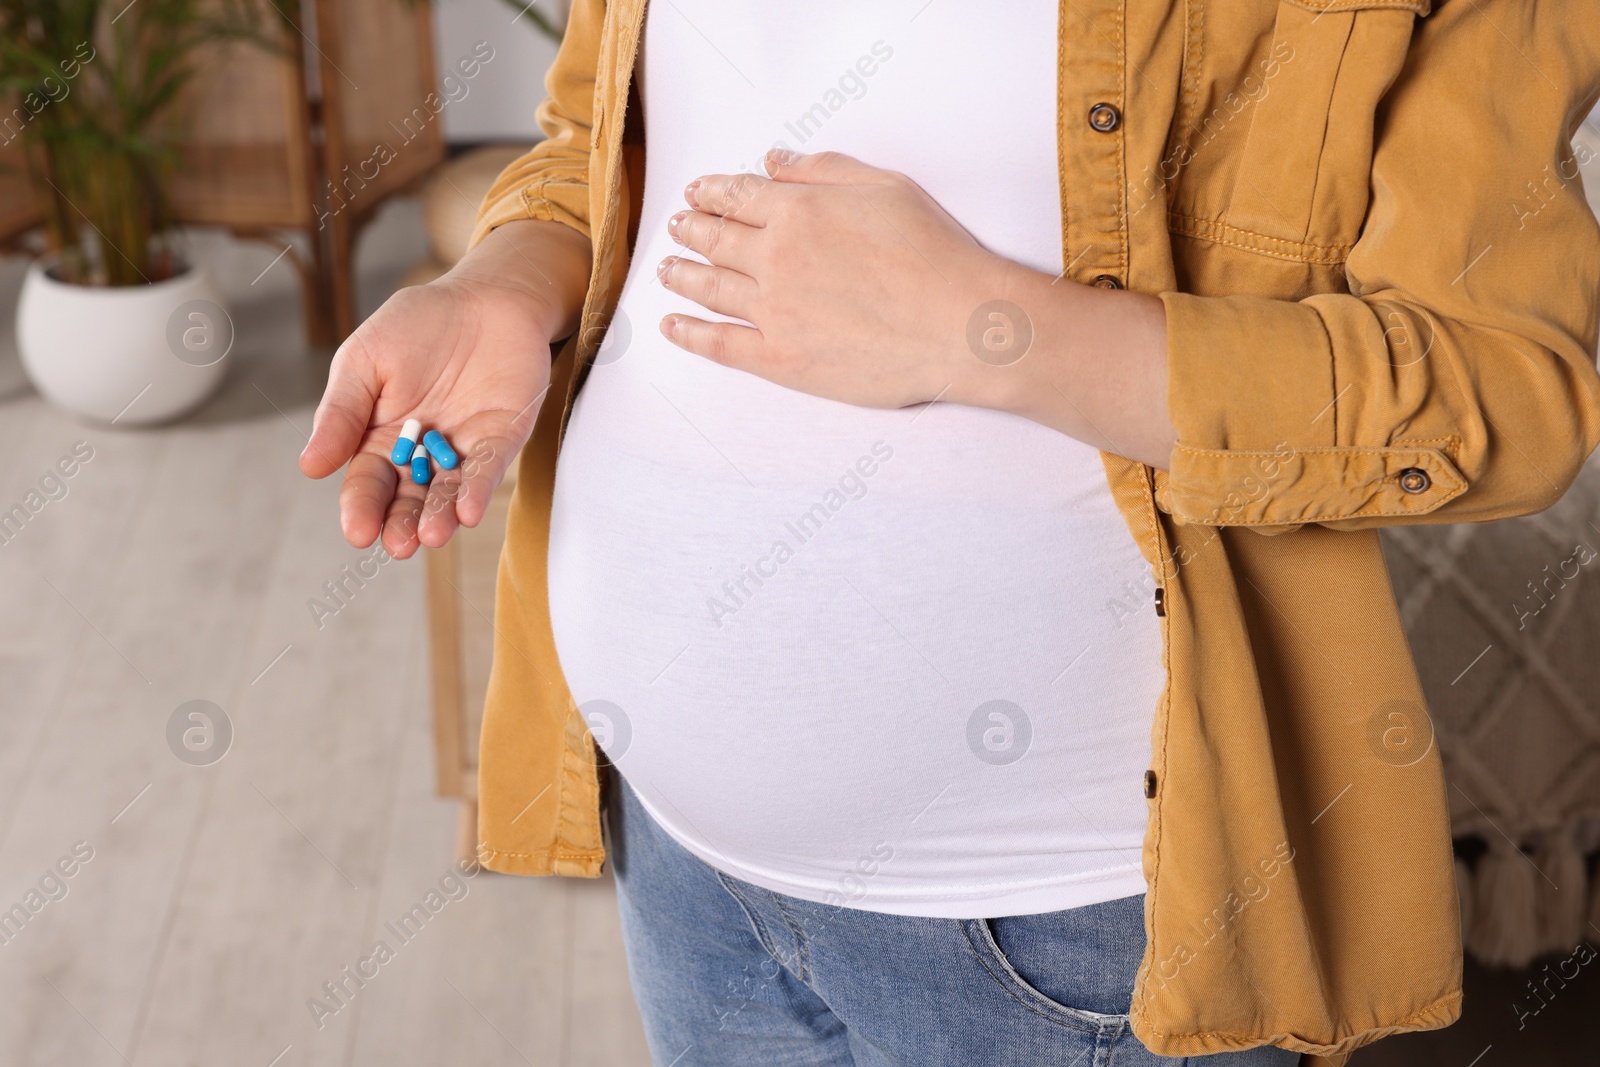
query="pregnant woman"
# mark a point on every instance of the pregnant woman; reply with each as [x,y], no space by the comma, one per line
[957,595]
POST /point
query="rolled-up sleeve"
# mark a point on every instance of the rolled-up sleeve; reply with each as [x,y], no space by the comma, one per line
[1456,380]
[551,181]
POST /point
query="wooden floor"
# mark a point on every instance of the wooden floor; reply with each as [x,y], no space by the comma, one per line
[220,898]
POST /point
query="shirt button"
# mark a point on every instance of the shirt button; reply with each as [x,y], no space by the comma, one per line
[1104,117]
[1415,480]
[1149,785]
[1107,281]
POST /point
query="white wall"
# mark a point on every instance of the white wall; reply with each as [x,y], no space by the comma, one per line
[499,101]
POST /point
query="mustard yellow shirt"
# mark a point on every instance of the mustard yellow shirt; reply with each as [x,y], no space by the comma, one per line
[1380,278]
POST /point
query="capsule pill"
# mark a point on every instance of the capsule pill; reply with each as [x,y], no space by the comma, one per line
[420,473]
[407,442]
[443,454]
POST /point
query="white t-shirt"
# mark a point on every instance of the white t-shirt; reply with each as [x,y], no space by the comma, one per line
[905,660]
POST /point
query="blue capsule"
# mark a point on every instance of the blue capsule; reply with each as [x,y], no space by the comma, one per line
[419,465]
[443,454]
[407,442]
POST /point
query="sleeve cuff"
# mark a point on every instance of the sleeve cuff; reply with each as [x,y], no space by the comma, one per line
[1251,392]
[549,199]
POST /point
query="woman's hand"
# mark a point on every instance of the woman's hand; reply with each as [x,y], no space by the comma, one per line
[858,286]
[469,355]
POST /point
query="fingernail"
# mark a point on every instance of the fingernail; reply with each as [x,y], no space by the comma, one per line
[675,223]
[688,192]
[783,156]
[669,325]
[664,268]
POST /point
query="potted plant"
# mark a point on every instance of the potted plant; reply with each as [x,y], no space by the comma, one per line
[113,323]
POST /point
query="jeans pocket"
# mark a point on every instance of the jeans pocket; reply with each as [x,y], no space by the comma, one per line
[1017,984]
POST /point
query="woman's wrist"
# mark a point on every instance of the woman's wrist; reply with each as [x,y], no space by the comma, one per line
[989,362]
[1086,361]
[543,266]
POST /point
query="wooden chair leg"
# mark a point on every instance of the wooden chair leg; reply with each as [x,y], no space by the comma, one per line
[467,832]
[444,643]
[342,267]
[317,285]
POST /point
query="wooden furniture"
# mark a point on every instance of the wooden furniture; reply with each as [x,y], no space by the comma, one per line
[460,591]
[314,142]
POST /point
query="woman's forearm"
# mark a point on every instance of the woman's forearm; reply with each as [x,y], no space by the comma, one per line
[547,262]
[1095,368]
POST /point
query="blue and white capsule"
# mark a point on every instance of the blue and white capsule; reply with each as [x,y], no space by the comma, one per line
[407,442]
[420,471]
[443,454]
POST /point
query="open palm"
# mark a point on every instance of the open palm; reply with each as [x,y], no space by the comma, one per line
[470,361]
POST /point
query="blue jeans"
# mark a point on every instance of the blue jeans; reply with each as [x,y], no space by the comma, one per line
[730,975]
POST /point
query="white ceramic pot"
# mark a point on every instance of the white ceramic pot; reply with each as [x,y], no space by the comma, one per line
[133,355]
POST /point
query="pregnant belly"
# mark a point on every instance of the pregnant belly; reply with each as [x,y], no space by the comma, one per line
[769,609]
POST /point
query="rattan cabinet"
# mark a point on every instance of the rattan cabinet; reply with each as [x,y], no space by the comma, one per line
[314,144]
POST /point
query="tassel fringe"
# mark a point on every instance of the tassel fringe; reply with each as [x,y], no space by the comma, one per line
[1505,928]
[1517,906]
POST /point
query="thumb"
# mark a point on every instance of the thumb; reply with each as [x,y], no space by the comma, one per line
[819,168]
[341,419]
